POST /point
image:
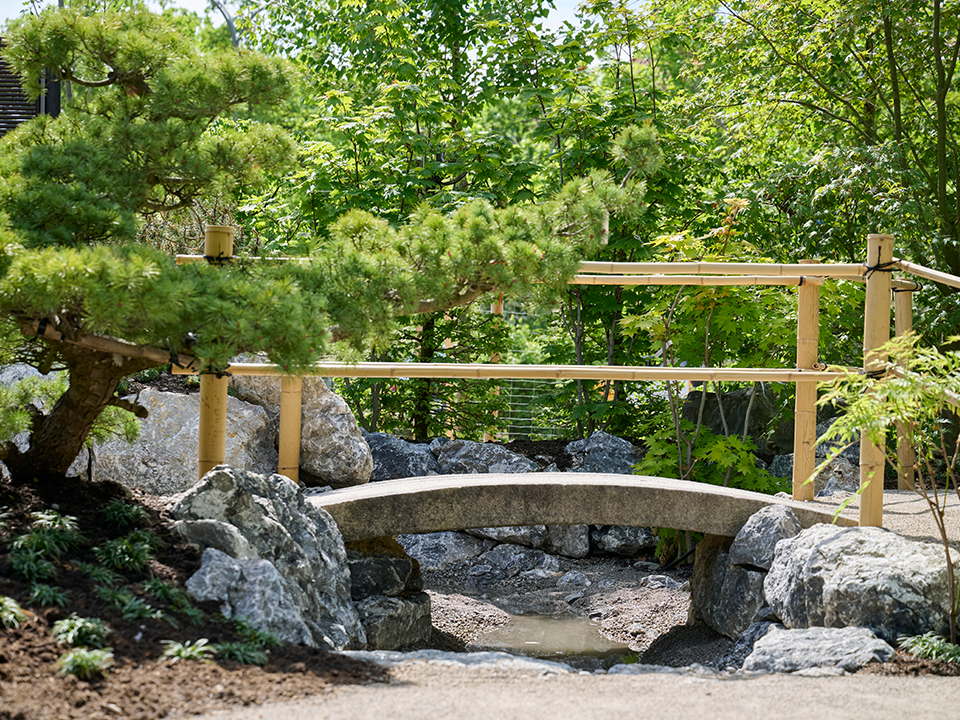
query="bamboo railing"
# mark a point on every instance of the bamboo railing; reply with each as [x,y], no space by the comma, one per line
[807,276]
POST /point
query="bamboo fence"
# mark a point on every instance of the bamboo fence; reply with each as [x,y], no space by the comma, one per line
[807,276]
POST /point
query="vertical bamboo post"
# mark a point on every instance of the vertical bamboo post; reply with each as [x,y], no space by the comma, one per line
[906,455]
[217,246]
[291,394]
[805,403]
[876,332]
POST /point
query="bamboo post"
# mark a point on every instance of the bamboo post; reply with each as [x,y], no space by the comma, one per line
[291,409]
[906,455]
[217,246]
[876,332]
[805,404]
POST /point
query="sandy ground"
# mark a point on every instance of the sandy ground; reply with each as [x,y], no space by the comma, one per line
[421,690]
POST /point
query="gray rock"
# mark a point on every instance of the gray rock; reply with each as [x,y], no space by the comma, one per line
[735,404]
[847,649]
[392,623]
[623,540]
[533,536]
[573,579]
[511,560]
[661,582]
[382,574]
[701,582]
[434,551]
[332,448]
[602,453]
[215,534]
[301,541]
[163,459]
[251,589]
[754,545]
[735,600]
[851,453]
[568,540]
[830,576]
[467,456]
[840,474]
[396,458]
[735,656]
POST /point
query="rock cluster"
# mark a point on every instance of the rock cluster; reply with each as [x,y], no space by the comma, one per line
[848,591]
[274,559]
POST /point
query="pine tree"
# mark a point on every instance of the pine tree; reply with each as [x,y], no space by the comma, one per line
[146,133]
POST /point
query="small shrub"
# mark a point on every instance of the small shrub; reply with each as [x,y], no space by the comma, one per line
[99,574]
[80,632]
[124,554]
[49,542]
[194,615]
[11,614]
[242,653]
[123,515]
[255,637]
[85,664]
[48,596]
[197,652]
[31,564]
[146,537]
[930,646]
[135,609]
[117,597]
[52,520]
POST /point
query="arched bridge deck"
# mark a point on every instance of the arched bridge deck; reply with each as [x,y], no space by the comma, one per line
[457,502]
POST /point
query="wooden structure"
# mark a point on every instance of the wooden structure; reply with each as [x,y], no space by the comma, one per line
[807,276]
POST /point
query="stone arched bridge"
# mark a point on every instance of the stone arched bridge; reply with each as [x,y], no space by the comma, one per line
[457,502]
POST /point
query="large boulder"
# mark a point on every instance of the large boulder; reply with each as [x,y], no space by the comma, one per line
[380,566]
[735,600]
[163,459]
[602,453]
[396,458]
[332,449]
[830,576]
[733,408]
[755,544]
[829,650]
[467,456]
[392,623]
[276,525]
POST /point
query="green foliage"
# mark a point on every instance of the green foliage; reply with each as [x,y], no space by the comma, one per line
[930,646]
[31,564]
[243,653]
[915,394]
[426,408]
[131,553]
[198,651]
[135,609]
[122,515]
[11,614]
[80,632]
[48,596]
[254,637]
[100,575]
[116,596]
[85,664]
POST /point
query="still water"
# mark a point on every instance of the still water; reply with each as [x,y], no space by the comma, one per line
[552,637]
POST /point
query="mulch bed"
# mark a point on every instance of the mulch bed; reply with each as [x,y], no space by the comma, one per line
[140,685]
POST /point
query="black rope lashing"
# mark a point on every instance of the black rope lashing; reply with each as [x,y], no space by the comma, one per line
[881,267]
[876,374]
[42,327]
[918,288]
[219,259]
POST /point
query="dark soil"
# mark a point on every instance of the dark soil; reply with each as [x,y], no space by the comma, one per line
[139,685]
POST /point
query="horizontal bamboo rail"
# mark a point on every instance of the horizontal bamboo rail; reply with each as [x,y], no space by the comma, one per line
[925,272]
[705,280]
[713,268]
[489,371]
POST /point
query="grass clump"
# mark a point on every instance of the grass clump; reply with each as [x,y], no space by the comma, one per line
[80,632]
[31,564]
[48,596]
[198,651]
[930,646]
[11,614]
[122,515]
[84,663]
[242,653]
[131,553]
